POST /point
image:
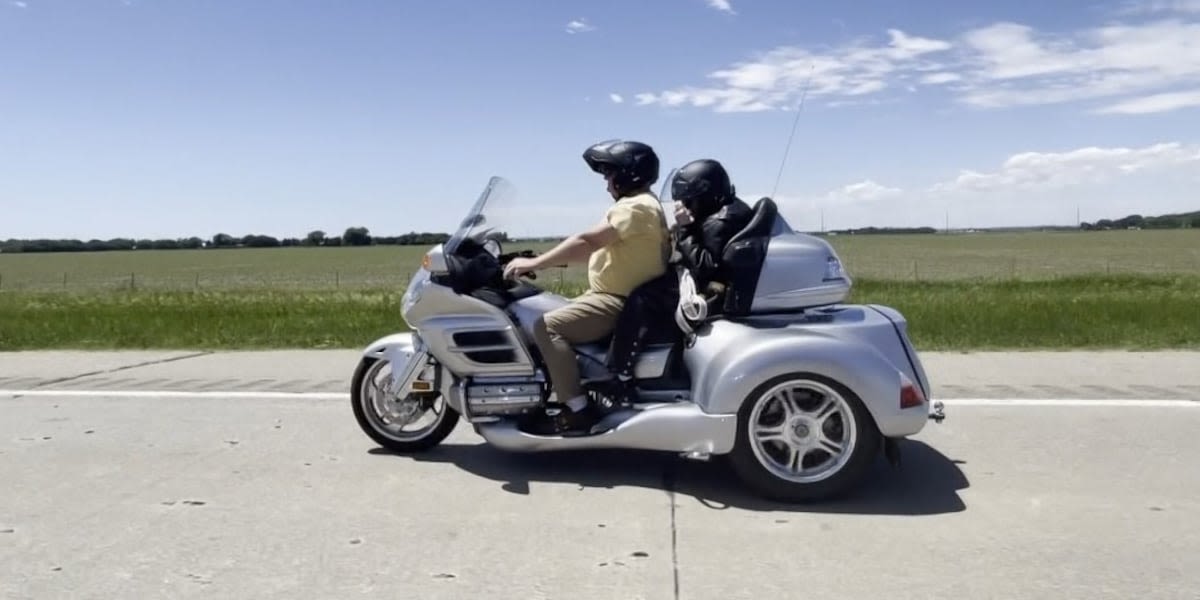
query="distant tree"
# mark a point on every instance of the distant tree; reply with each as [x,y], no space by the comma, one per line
[223,240]
[314,238]
[356,236]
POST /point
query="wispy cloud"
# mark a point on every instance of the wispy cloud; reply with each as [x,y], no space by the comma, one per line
[1028,188]
[997,66]
[1153,104]
[616,98]
[579,26]
[721,5]
[775,79]
[1053,170]
[1139,7]
[19,4]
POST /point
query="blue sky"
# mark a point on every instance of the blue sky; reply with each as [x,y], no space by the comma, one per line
[162,119]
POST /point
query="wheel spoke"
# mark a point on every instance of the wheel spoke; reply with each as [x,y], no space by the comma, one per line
[829,445]
[825,410]
[770,433]
[795,456]
[788,403]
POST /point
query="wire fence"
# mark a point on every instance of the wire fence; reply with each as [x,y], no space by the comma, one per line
[366,278]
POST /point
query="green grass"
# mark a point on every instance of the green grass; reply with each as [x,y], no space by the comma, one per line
[893,257]
[1132,312]
[1119,289]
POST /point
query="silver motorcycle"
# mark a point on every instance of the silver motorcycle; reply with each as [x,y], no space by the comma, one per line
[798,390]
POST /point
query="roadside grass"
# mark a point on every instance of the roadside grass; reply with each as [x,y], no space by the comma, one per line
[1076,312]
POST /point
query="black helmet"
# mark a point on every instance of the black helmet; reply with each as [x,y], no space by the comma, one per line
[633,165]
[702,186]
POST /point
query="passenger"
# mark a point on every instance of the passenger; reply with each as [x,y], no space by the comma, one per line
[629,247]
[708,214]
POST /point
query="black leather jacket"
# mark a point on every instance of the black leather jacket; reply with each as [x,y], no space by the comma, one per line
[701,244]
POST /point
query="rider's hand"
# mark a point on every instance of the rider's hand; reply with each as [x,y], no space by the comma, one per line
[683,216]
[519,266]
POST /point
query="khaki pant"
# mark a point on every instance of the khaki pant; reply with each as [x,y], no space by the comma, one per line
[588,318]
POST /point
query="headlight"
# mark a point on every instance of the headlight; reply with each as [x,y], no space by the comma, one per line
[833,269]
[415,287]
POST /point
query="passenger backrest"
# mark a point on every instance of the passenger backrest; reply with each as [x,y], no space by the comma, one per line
[743,257]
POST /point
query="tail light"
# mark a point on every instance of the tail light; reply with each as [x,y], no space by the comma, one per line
[911,396]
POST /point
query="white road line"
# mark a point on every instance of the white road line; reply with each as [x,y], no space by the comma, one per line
[1073,402]
[243,395]
[263,395]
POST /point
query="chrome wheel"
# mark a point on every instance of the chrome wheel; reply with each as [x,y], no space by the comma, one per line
[802,431]
[390,415]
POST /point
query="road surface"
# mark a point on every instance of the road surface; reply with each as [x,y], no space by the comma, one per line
[120,480]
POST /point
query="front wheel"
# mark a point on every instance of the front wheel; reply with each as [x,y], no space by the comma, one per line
[803,437]
[384,418]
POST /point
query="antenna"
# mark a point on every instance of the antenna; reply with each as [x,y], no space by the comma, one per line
[786,149]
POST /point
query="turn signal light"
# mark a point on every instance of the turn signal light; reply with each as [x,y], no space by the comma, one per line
[426,261]
[910,395]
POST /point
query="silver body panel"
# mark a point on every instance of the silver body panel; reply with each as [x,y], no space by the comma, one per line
[679,427]
[863,347]
[799,271]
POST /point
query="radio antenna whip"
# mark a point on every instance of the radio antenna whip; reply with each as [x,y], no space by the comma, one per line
[786,149]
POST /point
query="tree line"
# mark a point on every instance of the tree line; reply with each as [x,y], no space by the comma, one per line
[353,236]
[1176,221]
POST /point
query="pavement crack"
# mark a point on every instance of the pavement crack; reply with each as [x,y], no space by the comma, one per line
[121,368]
[669,487]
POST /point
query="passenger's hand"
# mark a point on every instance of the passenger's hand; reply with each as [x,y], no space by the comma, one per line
[683,216]
[519,266]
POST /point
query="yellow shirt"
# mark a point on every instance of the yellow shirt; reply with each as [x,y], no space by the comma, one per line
[641,252]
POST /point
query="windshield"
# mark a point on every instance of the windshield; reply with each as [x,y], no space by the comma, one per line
[489,218]
[665,199]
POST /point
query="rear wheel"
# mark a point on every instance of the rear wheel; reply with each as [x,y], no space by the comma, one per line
[803,437]
[413,423]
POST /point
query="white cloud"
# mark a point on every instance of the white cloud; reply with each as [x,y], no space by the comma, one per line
[995,66]
[775,79]
[1056,170]
[579,26]
[616,98]
[936,78]
[19,4]
[1154,104]
[1029,188]
[722,5]
[1160,6]
[1012,66]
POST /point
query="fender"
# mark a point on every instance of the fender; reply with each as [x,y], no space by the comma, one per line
[400,350]
[379,347]
[738,370]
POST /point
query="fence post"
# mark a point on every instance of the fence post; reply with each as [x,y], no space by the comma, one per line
[337,280]
[132,280]
[64,280]
[916,272]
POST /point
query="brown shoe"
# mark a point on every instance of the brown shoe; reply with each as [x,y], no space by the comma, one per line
[558,419]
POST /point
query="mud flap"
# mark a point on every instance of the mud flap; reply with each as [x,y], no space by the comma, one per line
[891,451]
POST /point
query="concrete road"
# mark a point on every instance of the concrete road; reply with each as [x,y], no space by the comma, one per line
[115,487]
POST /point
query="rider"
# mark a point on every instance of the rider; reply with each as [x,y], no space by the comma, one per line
[629,247]
[708,214]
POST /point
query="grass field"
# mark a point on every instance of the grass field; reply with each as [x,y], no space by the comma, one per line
[1128,289]
[899,257]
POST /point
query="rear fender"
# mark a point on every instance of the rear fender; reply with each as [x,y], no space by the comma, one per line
[858,366]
